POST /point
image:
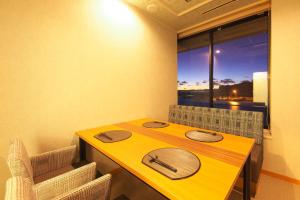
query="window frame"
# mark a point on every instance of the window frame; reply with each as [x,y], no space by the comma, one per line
[211,44]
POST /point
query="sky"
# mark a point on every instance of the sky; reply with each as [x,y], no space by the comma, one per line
[237,60]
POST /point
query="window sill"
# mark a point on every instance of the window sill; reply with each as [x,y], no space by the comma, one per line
[267,134]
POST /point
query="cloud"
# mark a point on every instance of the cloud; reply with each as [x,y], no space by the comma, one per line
[227,81]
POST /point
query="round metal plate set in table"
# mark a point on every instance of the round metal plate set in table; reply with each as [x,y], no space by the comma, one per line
[204,136]
[175,163]
[113,136]
[155,124]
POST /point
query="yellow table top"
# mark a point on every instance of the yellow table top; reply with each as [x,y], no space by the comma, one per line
[221,162]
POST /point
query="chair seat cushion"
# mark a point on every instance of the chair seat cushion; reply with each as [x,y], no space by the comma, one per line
[51,174]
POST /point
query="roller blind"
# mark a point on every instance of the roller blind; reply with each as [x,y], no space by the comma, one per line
[223,34]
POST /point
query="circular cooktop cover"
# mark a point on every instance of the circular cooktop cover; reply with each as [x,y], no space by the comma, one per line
[174,163]
[155,124]
[113,136]
[203,136]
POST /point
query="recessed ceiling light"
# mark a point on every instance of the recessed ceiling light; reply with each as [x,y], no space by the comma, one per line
[169,1]
[152,8]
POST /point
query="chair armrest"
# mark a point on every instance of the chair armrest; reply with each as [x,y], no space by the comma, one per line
[19,188]
[52,160]
[63,183]
[96,189]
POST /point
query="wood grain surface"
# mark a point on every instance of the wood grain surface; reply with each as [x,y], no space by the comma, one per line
[221,162]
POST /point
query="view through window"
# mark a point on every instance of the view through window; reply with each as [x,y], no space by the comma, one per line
[240,68]
[193,73]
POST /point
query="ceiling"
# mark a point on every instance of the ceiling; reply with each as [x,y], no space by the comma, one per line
[183,14]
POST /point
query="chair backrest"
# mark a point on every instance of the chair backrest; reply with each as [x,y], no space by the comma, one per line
[19,188]
[237,122]
[18,160]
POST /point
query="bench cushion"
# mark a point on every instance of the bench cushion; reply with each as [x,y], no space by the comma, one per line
[237,122]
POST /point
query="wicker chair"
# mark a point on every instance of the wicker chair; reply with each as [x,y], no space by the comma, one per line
[76,184]
[40,167]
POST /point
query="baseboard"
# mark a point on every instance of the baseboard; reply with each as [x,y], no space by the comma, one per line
[280,176]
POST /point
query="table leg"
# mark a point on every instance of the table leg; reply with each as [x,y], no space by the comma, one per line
[82,149]
[247,179]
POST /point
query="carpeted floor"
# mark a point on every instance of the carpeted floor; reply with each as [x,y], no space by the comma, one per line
[270,188]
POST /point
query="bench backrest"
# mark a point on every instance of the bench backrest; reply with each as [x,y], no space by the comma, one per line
[237,122]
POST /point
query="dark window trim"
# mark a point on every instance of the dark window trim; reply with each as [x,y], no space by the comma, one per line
[211,69]
[241,21]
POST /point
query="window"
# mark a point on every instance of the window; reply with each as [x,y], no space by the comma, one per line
[226,67]
[193,73]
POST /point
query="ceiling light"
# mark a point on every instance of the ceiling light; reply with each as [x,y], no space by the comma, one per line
[152,8]
[218,51]
[115,12]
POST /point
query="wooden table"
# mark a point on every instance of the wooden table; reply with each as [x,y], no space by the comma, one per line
[221,162]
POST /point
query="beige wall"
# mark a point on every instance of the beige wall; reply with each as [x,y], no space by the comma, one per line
[68,65]
[282,152]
